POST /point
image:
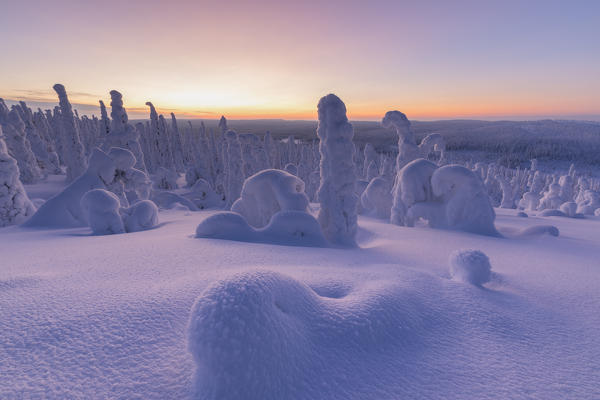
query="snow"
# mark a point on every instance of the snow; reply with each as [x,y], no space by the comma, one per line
[380,321]
[470,266]
[268,192]
[101,210]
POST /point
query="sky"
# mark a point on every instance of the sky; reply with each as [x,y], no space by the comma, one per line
[274,59]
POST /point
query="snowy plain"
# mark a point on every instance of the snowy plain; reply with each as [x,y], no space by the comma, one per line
[94,317]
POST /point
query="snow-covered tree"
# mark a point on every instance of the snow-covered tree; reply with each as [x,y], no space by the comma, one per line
[122,134]
[73,151]
[15,206]
[18,145]
[338,213]
[233,168]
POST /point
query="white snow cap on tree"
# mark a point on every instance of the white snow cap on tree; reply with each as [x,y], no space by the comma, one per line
[268,192]
[15,206]
[73,153]
[337,195]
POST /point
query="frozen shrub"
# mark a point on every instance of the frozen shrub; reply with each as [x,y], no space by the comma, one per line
[267,193]
[141,216]
[470,266]
[203,196]
[569,208]
[165,179]
[552,198]
[338,213]
[101,210]
[589,202]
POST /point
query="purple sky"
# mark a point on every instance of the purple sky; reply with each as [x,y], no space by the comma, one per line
[430,59]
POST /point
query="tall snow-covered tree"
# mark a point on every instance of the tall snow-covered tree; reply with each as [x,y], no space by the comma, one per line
[18,145]
[74,153]
[337,195]
[15,206]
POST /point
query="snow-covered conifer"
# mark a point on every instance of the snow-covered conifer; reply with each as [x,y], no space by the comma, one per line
[338,213]
[15,206]
[73,151]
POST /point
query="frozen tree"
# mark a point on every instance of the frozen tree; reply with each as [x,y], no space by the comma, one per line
[233,168]
[18,146]
[35,138]
[176,145]
[551,199]
[15,206]
[378,197]
[372,171]
[338,212]
[141,216]
[45,130]
[407,146]
[370,156]
[566,187]
[589,202]
[104,121]
[159,140]
[122,134]
[73,151]
[413,185]
[64,209]
[268,192]
[223,125]
[249,160]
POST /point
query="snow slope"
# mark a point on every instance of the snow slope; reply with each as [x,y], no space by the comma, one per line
[93,317]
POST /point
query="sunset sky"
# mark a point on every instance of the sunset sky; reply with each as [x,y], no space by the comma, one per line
[275,59]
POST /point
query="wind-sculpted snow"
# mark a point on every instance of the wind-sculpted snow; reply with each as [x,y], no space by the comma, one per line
[289,228]
[268,192]
[264,335]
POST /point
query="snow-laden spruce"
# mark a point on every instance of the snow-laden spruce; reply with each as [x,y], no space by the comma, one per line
[15,205]
[233,168]
[413,185]
[338,212]
[18,145]
[268,192]
[122,134]
[73,153]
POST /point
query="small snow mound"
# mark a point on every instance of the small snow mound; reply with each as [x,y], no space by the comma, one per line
[552,213]
[225,225]
[538,230]
[522,214]
[470,266]
[141,216]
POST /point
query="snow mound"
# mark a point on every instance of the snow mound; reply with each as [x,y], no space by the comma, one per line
[168,200]
[538,230]
[522,214]
[264,335]
[141,216]
[551,213]
[268,192]
[291,228]
[101,210]
[470,266]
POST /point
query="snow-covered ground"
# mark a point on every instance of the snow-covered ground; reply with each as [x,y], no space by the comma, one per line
[95,317]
